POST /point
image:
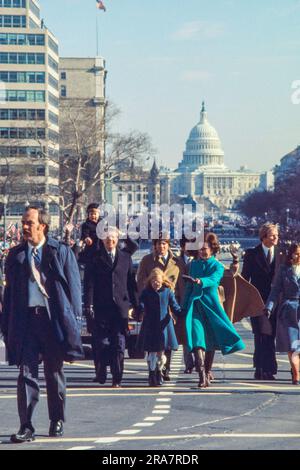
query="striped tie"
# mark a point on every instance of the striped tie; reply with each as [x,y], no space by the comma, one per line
[35,264]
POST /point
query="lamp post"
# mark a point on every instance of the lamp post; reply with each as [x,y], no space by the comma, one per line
[5,201]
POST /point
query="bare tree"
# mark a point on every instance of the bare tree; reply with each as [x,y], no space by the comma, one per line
[92,154]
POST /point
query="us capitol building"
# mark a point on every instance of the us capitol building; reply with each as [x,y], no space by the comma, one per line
[201,176]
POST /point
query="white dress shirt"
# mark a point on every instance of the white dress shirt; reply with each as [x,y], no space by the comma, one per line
[36,298]
[266,251]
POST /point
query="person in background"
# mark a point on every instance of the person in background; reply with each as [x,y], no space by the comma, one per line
[286,290]
[259,268]
[112,287]
[173,267]
[157,332]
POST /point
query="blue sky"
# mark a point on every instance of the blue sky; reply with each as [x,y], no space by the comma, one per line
[165,56]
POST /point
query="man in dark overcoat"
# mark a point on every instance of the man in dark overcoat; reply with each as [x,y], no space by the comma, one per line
[112,287]
[42,301]
[260,265]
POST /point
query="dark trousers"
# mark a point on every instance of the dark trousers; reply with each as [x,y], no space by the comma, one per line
[40,340]
[109,340]
[264,358]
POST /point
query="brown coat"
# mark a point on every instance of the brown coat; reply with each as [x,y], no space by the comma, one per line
[174,269]
[242,299]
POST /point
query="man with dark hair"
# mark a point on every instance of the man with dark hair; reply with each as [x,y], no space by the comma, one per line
[260,265]
[42,300]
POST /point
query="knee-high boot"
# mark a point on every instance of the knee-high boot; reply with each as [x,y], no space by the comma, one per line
[208,362]
[201,369]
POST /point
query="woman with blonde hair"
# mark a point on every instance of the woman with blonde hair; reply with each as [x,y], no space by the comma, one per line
[157,332]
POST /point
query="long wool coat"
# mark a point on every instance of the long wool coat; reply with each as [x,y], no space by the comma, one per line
[207,325]
[62,282]
[157,331]
[286,289]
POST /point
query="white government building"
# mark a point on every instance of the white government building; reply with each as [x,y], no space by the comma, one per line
[201,175]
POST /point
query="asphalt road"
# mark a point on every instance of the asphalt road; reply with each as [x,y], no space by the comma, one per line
[237,412]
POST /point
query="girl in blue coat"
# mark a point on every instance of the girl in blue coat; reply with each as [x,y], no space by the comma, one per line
[157,332]
[208,327]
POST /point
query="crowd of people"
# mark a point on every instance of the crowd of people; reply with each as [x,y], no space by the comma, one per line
[192,300]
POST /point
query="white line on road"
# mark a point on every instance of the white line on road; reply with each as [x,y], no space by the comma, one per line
[128,432]
[81,448]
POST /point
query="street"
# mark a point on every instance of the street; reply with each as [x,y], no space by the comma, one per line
[236,412]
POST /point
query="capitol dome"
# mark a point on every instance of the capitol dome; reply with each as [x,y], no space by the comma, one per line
[203,147]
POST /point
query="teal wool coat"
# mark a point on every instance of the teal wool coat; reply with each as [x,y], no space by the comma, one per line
[207,324]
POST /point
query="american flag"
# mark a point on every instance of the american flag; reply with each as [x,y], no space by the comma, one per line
[100,5]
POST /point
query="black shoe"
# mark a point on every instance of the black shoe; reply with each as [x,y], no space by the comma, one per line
[25,434]
[116,385]
[188,371]
[258,375]
[152,378]
[268,376]
[159,377]
[166,376]
[102,375]
[56,429]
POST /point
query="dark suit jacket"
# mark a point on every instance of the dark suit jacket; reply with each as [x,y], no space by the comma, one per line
[112,286]
[257,271]
[62,282]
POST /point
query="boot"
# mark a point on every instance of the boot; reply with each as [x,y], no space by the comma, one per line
[203,383]
[208,362]
[159,377]
[152,378]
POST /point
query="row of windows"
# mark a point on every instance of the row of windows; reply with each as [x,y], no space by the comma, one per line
[6,170]
[13,3]
[22,77]
[17,208]
[22,39]
[21,58]
[33,24]
[52,63]
[36,152]
[53,45]
[20,95]
[23,114]
[53,82]
[53,118]
[35,10]
[53,136]
[22,133]
[53,100]
[12,21]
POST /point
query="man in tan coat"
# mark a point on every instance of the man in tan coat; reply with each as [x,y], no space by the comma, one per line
[163,258]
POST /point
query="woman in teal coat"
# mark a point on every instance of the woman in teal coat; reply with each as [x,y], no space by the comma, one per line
[208,327]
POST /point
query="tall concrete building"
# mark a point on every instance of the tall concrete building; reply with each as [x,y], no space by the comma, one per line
[82,110]
[29,111]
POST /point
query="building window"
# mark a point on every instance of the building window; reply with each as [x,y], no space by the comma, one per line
[22,114]
[13,3]
[22,39]
[22,133]
[35,10]
[21,58]
[20,95]
[53,118]
[22,77]
[53,46]
[12,21]
[53,100]
[63,76]
[40,171]
[63,91]
[52,63]
[53,82]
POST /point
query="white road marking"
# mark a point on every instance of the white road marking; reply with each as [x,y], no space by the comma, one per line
[143,425]
[164,412]
[162,407]
[81,448]
[105,440]
[154,418]
[128,432]
[163,399]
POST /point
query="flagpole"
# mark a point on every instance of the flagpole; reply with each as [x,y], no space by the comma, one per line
[97,36]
